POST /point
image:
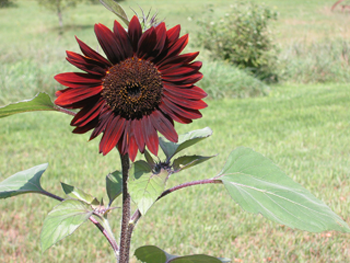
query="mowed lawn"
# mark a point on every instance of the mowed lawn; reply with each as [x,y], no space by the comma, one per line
[304,129]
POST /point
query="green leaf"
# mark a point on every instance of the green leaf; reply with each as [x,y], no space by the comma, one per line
[144,186]
[196,259]
[79,194]
[114,185]
[153,254]
[185,162]
[149,159]
[41,102]
[23,182]
[116,8]
[184,141]
[259,186]
[63,220]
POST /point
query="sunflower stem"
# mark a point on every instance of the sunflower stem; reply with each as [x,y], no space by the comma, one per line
[125,239]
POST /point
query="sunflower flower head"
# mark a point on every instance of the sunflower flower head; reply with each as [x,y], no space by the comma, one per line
[142,86]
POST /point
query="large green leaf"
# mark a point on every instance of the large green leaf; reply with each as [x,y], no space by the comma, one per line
[23,182]
[79,194]
[184,141]
[185,162]
[259,186]
[114,185]
[41,102]
[113,6]
[153,254]
[145,186]
[63,220]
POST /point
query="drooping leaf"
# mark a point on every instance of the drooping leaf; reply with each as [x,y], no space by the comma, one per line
[114,185]
[41,102]
[259,186]
[184,141]
[185,162]
[63,220]
[153,254]
[23,182]
[144,186]
[113,6]
[77,193]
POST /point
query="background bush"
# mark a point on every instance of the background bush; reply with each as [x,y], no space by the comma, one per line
[241,37]
[6,3]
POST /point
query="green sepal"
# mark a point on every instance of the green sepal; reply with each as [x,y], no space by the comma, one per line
[185,162]
[259,186]
[184,141]
[24,182]
[79,194]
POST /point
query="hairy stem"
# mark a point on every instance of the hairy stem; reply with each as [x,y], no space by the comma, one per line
[64,110]
[110,238]
[124,237]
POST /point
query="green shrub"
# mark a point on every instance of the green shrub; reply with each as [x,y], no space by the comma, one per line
[241,37]
[6,3]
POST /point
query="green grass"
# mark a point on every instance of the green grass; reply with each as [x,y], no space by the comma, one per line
[304,129]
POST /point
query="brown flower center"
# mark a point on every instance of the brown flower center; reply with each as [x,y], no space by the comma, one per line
[133,88]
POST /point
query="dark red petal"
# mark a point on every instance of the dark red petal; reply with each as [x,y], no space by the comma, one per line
[184,102]
[176,117]
[192,93]
[164,126]
[78,80]
[87,114]
[109,44]
[185,112]
[184,70]
[150,135]
[89,52]
[123,40]
[135,32]
[79,104]
[113,131]
[177,61]
[136,127]
[100,127]
[86,128]
[87,64]
[147,43]
[178,46]
[173,34]
[124,140]
[161,37]
[71,96]
[184,79]
[133,147]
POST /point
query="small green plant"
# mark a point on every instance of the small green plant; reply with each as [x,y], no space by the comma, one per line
[6,3]
[242,37]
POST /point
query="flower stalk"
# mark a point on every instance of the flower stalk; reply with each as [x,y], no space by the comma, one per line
[124,246]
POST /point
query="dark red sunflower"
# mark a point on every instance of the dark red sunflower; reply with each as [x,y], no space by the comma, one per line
[141,88]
